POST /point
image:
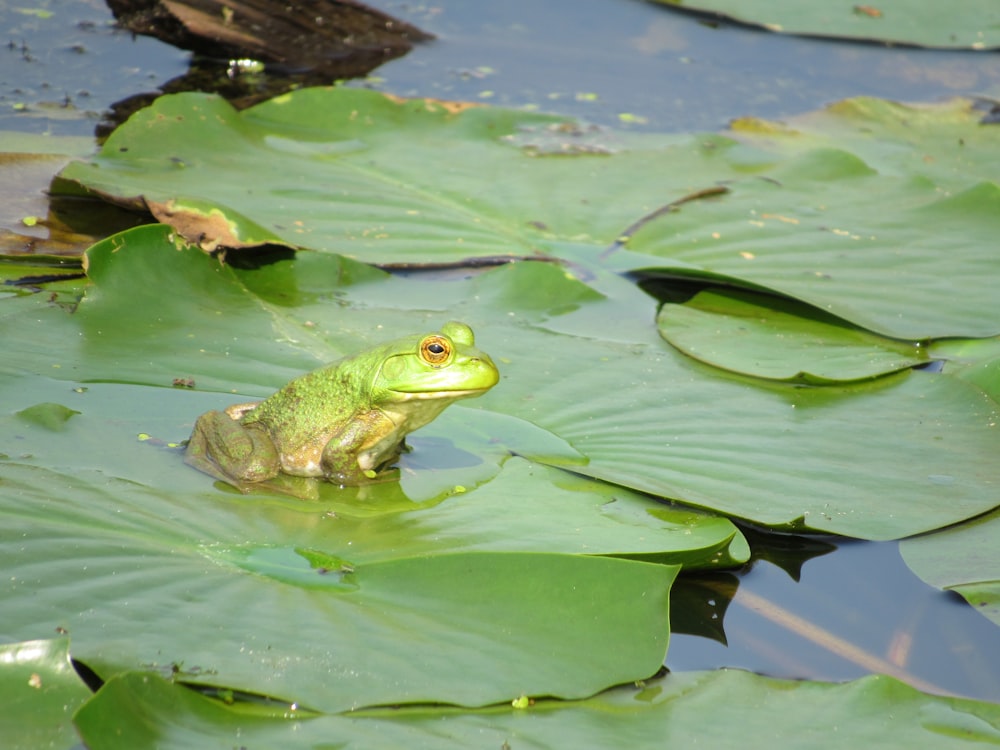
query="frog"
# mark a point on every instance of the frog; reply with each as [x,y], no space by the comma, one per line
[347,422]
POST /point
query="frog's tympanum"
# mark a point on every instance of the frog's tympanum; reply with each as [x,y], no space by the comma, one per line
[345,422]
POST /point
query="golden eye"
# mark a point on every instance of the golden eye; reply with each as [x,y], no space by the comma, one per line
[435,350]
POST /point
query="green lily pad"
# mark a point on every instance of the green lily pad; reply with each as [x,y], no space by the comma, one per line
[164,573]
[770,337]
[822,244]
[976,361]
[50,416]
[864,460]
[533,507]
[971,24]
[962,559]
[866,210]
[40,691]
[142,709]
[139,710]
[23,275]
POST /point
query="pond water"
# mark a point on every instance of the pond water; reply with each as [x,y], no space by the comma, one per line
[633,64]
[856,610]
[61,66]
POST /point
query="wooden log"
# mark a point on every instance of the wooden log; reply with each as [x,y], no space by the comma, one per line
[295,35]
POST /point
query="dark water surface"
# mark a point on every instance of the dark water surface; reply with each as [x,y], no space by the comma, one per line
[629,63]
[857,610]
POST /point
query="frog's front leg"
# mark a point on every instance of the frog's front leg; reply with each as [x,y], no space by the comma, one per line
[225,449]
[238,411]
[359,452]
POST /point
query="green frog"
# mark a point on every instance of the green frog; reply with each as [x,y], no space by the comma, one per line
[345,422]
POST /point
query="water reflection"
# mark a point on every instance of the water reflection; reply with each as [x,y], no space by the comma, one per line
[798,612]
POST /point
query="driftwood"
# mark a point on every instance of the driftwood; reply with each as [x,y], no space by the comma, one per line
[342,38]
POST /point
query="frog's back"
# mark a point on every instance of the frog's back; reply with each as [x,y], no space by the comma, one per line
[315,405]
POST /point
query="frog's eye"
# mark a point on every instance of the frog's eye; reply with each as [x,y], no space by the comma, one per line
[435,350]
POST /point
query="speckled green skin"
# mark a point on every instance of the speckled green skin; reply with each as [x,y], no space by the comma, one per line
[345,422]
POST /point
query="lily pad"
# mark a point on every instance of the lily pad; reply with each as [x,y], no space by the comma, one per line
[822,244]
[50,416]
[770,337]
[976,361]
[137,710]
[863,460]
[971,24]
[40,691]
[160,573]
[866,210]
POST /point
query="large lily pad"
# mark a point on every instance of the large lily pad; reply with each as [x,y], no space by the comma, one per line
[970,24]
[856,210]
[138,710]
[876,461]
[823,238]
[304,606]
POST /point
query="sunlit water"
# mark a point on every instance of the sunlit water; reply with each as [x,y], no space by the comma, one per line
[633,64]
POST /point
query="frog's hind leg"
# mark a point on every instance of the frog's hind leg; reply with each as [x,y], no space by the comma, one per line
[227,450]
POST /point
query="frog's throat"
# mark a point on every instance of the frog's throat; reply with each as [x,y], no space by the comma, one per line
[401,395]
